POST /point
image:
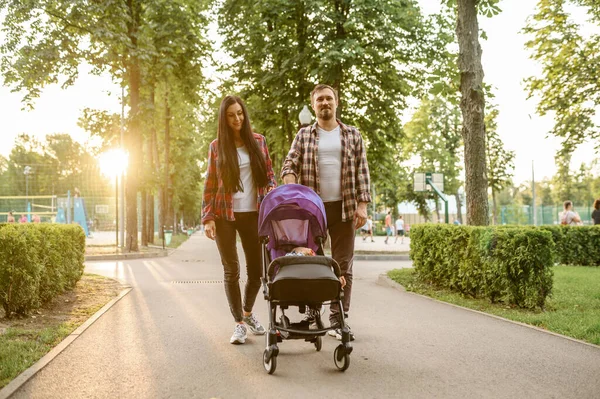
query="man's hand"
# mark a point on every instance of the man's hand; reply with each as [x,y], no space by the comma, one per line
[343,281]
[210,229]
[360,216]
[289,179]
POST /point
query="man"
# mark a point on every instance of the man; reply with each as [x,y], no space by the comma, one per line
[330,158]
[367,230]
[388,226]
[569,217]
[399,230]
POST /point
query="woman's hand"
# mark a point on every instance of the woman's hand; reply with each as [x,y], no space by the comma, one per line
[210,229]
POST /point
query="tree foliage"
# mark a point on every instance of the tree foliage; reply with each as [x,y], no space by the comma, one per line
[500,160]
[569,86]
[372,52]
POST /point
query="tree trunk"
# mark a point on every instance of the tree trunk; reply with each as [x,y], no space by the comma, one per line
[133,134]
[494,207]
[144,214]
[166,206]
[472,105]
[458,208]
[151,161]
[341,10]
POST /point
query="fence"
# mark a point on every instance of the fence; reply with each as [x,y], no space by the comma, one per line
[545,214]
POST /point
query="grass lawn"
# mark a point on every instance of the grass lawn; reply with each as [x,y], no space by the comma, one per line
[572,310]
[23,341]
[176,240]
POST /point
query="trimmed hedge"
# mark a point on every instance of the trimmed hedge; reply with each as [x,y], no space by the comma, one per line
[503,264]
[37,263]
[576,245]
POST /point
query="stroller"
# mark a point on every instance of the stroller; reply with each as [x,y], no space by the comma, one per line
[294,216]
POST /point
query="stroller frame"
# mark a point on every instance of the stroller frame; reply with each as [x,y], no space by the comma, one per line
[279,331]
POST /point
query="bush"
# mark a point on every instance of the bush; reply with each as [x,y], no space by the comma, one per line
[37,263]
[508,264]
[576,245]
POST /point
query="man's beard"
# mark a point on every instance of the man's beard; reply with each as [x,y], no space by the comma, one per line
[326,114]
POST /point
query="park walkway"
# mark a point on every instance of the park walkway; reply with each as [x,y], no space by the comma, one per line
[169,338]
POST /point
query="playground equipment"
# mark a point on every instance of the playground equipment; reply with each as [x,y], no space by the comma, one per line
[79,214]
[428,181]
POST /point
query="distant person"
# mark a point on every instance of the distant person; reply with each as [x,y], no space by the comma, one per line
[367,229]
[389,229]
[23,219]
[596,212]
[569,216]
[399,230]
[10,218]
[35,219]
[76,193]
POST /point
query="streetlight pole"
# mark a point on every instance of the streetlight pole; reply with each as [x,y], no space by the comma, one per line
[117,210]
[26,172]
[122,214]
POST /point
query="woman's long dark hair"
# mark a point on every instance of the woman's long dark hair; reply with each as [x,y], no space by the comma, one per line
[597,204]
[228,163]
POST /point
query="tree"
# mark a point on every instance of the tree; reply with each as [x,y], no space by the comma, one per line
[500,161]
[473,105]
[372,52]
[46,42]
[433,136]
[569,87]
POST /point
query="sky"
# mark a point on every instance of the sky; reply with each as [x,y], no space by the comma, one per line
[505,63]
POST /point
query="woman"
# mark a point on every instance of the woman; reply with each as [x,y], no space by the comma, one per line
[239,176]
[596,212]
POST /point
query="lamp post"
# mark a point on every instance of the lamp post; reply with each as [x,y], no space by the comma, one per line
[27,172]
[305,116]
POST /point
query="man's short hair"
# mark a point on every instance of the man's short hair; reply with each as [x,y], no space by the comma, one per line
[322,86]
[567,204]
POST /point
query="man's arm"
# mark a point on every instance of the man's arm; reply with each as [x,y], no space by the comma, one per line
[363,178]
[293,161]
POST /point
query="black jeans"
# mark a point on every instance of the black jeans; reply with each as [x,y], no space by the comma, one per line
[246,224]
[342,250]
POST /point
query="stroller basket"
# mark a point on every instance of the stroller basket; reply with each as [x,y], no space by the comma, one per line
[303,280]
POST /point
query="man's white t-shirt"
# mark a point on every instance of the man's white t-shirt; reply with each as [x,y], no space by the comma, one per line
[330,164]
[245,200]
[399,224]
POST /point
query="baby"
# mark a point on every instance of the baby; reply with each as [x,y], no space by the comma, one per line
[301,251]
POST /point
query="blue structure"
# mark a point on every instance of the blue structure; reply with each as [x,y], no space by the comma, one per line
[80,215]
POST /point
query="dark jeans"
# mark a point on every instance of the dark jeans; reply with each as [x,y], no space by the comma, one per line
[246,224]
[342,250]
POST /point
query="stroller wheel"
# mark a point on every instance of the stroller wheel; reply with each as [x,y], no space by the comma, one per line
[318,343]
[341,358]
[271,364]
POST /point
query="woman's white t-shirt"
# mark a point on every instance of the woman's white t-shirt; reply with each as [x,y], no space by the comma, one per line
[245,200]
[330,164]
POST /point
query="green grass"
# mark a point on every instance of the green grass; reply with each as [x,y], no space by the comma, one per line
[176,240]
[20,348]
[572,310]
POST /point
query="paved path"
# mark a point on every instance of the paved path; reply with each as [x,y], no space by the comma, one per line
[168,340]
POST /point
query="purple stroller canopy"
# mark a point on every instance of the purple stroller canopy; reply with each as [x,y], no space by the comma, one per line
[291,215]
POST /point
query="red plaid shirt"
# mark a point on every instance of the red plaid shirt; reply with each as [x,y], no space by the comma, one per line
[216,203]
[302,162]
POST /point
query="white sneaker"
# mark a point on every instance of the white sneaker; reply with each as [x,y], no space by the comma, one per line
[239,335]
[254,325]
